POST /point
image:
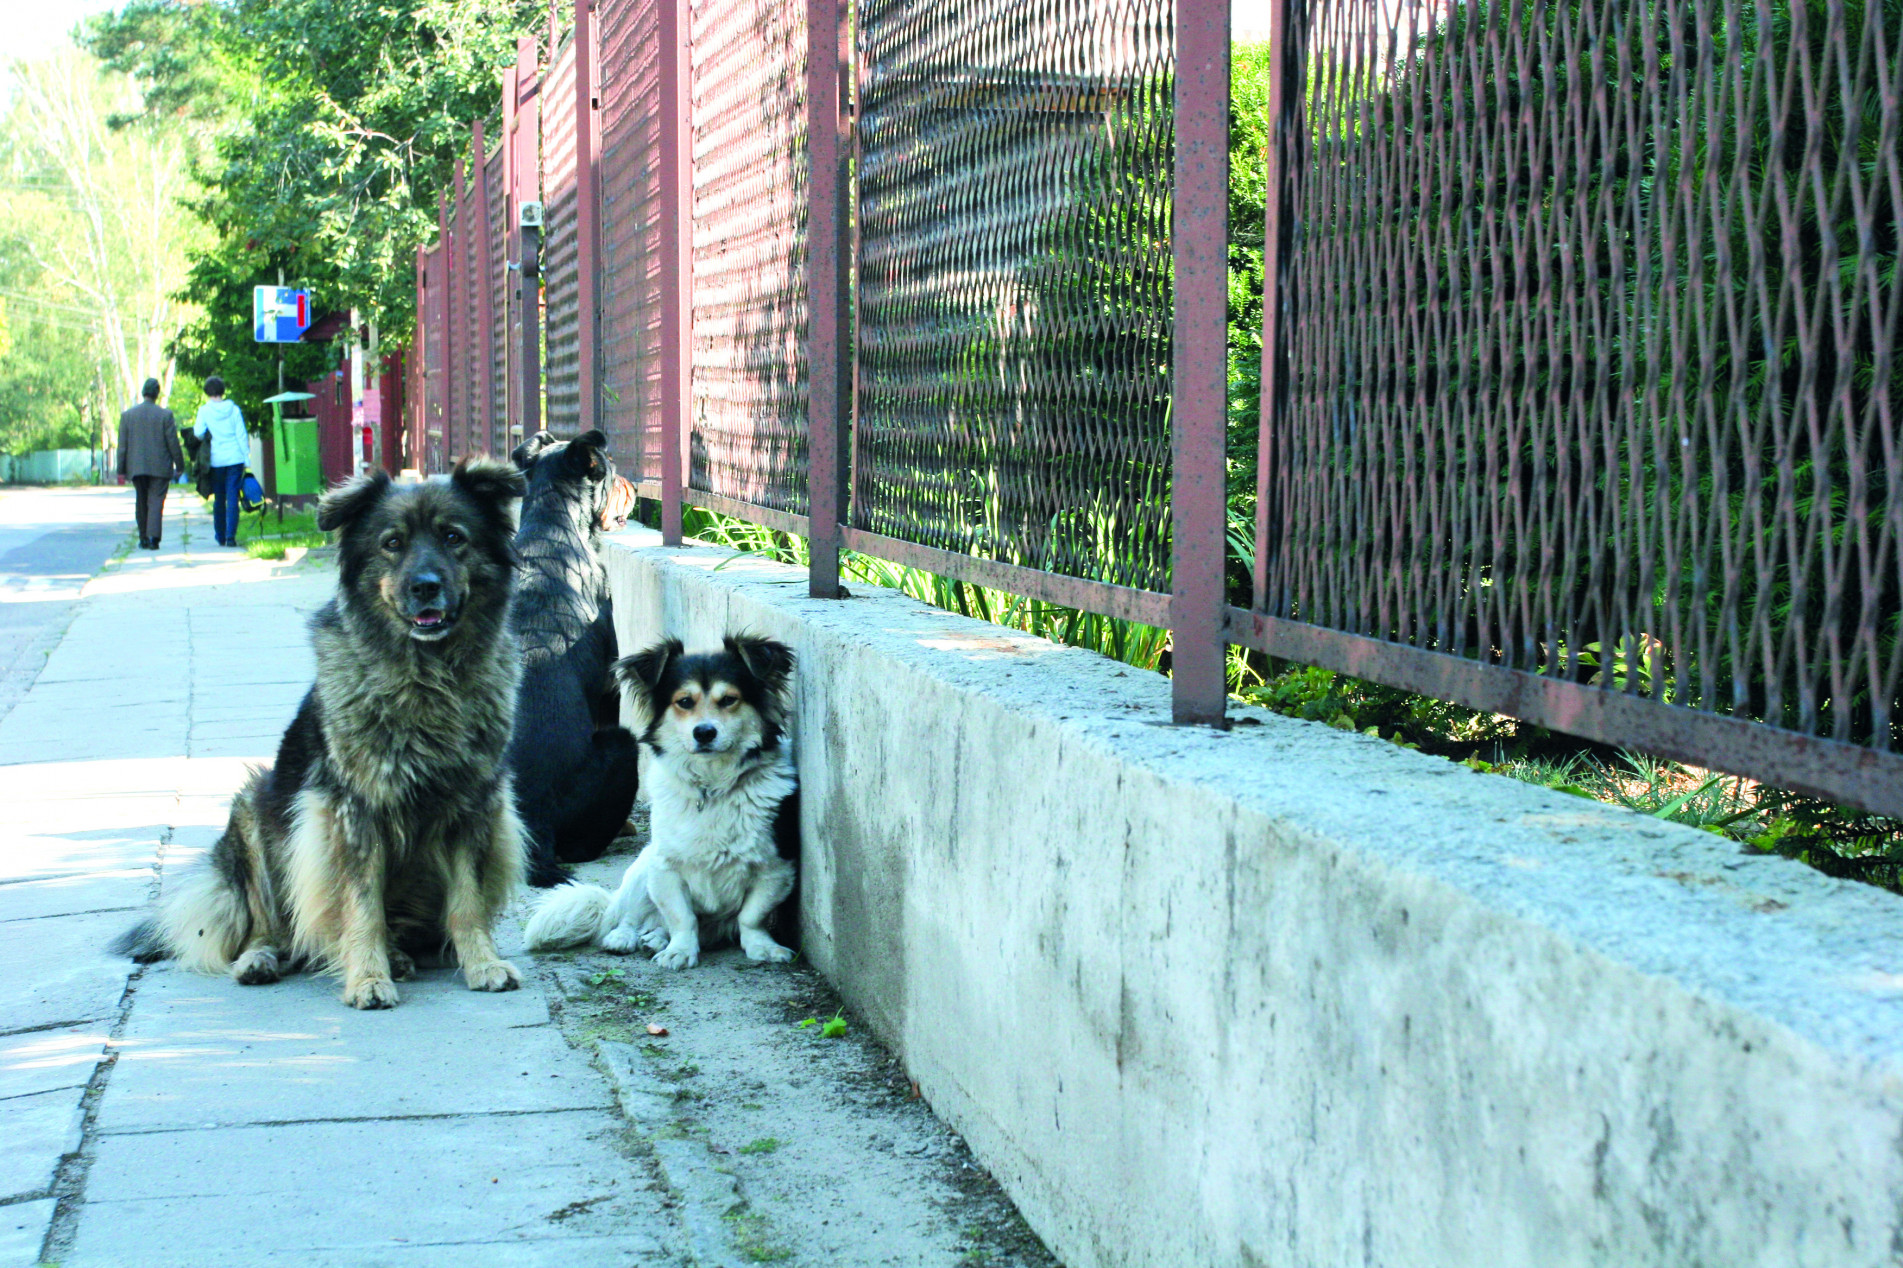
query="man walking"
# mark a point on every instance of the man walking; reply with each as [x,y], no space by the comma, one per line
[230,447]
[149,453]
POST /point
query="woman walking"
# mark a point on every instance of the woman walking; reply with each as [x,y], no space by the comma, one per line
[230,447]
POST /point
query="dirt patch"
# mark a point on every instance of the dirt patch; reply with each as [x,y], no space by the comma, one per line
[766,1079]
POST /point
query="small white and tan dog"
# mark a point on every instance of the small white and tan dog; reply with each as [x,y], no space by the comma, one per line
[723,816]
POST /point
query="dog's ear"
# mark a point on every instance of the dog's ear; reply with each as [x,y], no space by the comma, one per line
[490,482]
[529,450]
[642,672]
[587,455]
[766,659]
[351,499]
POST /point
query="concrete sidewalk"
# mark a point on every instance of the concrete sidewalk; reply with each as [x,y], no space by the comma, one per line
[609,1113]
[156,1117]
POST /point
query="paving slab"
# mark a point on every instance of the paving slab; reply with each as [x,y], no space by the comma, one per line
[42,1060]
[59,972]
[39,1130]
[34,856]
[119,889]
[202,1051]
[22,1229]
[544,1188]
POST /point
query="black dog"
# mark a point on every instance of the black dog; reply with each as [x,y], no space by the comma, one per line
[574,764]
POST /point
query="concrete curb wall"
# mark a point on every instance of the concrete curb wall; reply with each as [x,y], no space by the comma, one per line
[1288,996]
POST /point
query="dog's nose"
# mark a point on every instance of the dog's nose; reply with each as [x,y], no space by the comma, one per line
[705,733]
[426,587]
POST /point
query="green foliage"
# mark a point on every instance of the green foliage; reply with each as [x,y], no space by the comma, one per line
[1142,646]
[46,381]
[265,537]
[764,1145]
[334,128]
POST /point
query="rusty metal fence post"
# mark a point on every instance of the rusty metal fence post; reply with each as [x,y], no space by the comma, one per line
[677,260]
[829,328]
[1200,363]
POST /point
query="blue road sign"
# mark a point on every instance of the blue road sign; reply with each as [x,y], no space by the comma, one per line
[279,314]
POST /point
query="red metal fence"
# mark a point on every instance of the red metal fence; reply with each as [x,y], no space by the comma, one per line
[1580,369]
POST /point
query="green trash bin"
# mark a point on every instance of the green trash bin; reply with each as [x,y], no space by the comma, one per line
[299,471]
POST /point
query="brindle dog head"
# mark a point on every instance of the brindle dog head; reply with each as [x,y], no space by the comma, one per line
[579,472]
[426,561]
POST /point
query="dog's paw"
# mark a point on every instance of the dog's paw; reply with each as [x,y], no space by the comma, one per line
[370,992]
[763,949]
[496,975]
[402,967]
[257,967]
[621,939]
[654,939]
[678,957]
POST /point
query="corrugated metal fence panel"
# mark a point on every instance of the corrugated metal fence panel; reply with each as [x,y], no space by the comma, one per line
[561,384]
[337,446]
[496,187]
[1594,372]
[495,178]
[434,338]
[630,235]
[748,396]
[463,283]
[1014,282]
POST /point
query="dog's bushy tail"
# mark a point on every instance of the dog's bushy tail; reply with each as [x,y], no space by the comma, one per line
[567,916]
[203,919]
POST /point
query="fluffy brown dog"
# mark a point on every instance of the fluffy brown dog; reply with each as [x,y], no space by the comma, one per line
[388,821]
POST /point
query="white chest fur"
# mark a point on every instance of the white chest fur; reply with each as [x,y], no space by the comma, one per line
[714,826]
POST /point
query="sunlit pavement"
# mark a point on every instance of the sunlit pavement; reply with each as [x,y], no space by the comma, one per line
[156,1117]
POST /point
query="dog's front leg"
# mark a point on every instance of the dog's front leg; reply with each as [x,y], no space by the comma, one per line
[669,893]
[469,918]
[769,888]
[363,943]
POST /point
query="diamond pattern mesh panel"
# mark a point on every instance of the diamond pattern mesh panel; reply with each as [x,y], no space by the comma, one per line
[748,401]
[630,236]
[1014,297]
[561,372]
[1591,363]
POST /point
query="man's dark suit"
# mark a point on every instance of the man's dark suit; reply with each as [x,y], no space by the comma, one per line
[149,453]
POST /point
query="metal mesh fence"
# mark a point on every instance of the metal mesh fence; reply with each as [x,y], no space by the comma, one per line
[559,258]
[630,236]
[1591,352]
[748,398]
[1014,281]
[496,194]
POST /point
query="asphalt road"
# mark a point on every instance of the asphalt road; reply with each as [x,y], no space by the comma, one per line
[51,542]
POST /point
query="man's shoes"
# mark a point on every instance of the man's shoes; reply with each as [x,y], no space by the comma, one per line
[145,543]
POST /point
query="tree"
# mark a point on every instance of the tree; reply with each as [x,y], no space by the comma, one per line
[336,125]
[93,245]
